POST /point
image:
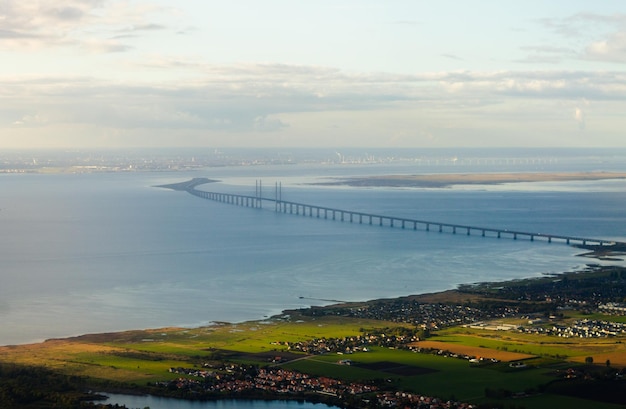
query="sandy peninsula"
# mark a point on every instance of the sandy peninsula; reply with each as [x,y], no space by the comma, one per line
[450,179]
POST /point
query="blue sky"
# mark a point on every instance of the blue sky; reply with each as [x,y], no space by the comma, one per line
[296,73]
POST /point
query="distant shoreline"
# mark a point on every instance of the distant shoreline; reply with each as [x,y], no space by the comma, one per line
[450,179]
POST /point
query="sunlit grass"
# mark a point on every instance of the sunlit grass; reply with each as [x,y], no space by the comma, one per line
[145,356]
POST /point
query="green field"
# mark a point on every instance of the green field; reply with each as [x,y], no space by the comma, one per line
[137,357]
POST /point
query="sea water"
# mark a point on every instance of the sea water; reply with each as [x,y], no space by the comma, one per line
[84,253]
[155,402]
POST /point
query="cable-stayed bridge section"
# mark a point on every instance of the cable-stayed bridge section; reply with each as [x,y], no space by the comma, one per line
[329,213]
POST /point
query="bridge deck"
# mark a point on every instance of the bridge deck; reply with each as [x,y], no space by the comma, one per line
[309,210]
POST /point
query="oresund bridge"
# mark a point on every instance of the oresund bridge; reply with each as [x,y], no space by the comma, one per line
[328,213]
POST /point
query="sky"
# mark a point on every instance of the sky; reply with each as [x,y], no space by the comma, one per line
[312,73]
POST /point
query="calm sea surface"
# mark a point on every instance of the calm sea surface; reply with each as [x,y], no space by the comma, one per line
[83,253]
[155,402]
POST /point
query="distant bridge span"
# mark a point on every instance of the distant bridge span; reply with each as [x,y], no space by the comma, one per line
[329,213]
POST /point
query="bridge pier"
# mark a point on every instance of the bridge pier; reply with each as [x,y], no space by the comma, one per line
[288,207]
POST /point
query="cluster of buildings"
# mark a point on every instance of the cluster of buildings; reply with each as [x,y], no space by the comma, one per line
[426,315]
[240,379]
[348,345]
[581,329]
[613,308]
[413,400]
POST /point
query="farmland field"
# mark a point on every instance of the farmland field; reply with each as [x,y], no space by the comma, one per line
[473,351]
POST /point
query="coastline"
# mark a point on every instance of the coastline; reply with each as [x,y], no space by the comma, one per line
[589,252]
[135,362]
[454,295]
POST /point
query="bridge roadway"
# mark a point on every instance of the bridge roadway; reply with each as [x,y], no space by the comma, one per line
[303,209]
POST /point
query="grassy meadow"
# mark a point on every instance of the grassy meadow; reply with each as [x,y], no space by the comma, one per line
[139,357]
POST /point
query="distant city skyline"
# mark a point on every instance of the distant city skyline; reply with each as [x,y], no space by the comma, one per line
[323,73]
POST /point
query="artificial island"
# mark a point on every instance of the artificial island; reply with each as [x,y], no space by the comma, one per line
[438,180]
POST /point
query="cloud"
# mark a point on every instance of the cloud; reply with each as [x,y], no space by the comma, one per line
[13,35]
[68,13]
[105,46]
[31,120]
[579,117]
[593,37]
[611,49]
[278,101]
[547,54]
[33,25]
[266,124]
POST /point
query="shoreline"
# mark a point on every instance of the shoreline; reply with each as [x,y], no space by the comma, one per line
[452,295]
[588,253]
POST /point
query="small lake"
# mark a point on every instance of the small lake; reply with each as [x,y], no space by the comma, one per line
[155,402]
